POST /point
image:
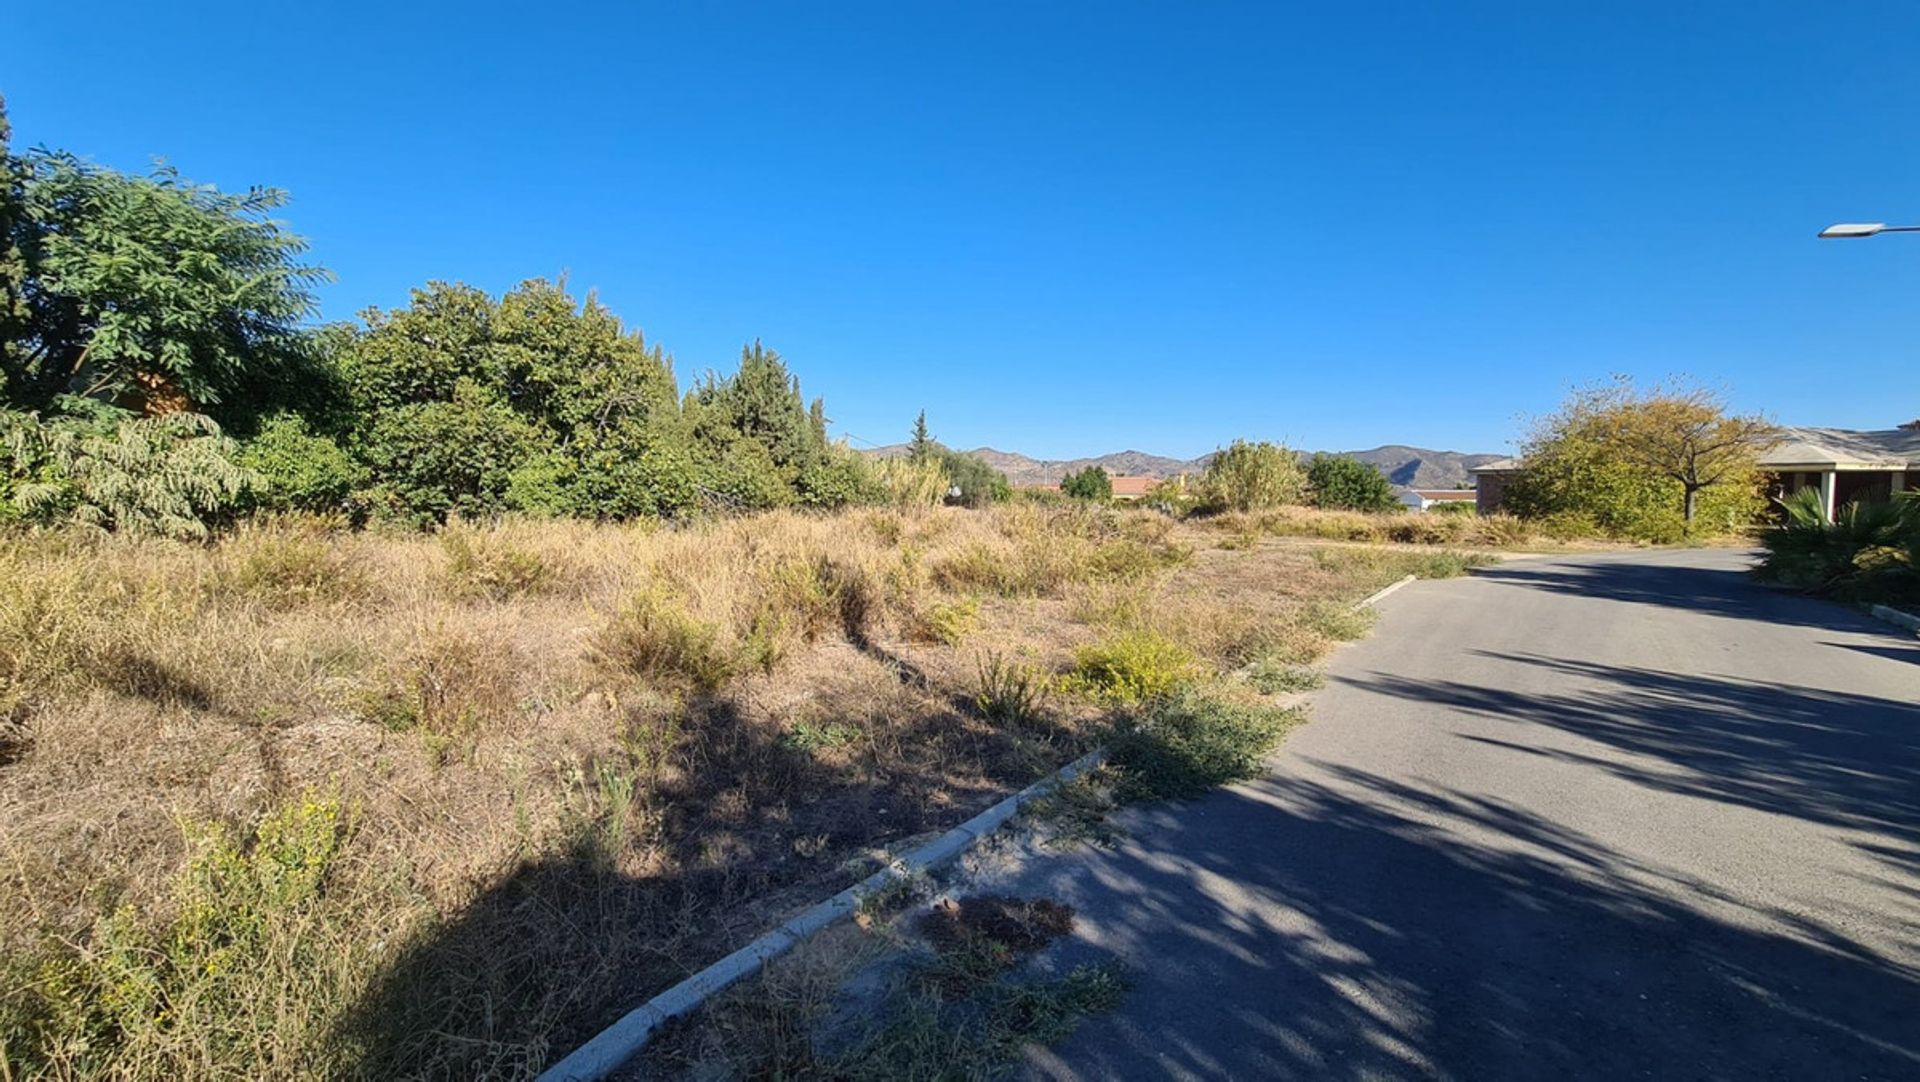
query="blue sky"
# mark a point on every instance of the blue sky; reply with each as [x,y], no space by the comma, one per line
[1074,228]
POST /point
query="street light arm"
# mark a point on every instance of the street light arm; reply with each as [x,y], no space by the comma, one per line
[1865,229]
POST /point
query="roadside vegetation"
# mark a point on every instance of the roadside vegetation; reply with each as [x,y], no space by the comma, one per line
[1867,553]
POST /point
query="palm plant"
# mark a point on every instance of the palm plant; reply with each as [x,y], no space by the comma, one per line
[1866,549]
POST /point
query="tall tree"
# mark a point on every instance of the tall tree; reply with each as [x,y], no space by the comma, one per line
[149,292]
[1091,483]
[921,447]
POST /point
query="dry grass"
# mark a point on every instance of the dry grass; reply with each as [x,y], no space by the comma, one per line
[535,771]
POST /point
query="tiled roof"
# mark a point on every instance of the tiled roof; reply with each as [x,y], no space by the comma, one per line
[1133,486]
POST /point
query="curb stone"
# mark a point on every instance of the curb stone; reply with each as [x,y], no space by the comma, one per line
[612,1047]
[1895,617]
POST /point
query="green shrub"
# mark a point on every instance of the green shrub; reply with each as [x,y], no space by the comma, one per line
[1867,553]
[1090,484]
[240,971]
[1133,667]
[300,471]
[1344,483]
[1186,744]
[1272,677]
[949,621]
[1252,476]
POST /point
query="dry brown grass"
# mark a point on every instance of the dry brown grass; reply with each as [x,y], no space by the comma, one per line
[548,768]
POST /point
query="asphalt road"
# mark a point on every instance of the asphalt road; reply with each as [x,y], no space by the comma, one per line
[1612,817]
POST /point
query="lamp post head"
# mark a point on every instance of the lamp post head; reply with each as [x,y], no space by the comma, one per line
[1853,229]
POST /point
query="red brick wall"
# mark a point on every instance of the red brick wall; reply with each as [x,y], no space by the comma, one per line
[1490,489]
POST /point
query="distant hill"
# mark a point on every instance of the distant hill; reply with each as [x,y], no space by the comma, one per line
[1410,467]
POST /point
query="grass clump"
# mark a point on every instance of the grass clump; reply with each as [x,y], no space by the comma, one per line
[1009,692]
[949,622]
[1340,622]
[486,565]
[657,638]
[1271,677]
[1132,667]
[1184,745]
[287,569]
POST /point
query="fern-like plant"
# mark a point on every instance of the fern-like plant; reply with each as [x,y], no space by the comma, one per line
[170,475]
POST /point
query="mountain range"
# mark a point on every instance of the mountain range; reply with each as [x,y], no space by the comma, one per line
[1410,467]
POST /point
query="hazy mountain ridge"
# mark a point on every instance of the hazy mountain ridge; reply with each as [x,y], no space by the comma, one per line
[1412,467]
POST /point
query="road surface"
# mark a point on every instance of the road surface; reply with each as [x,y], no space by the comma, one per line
[1610,817]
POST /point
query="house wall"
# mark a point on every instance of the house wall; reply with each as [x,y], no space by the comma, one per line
[1490,491]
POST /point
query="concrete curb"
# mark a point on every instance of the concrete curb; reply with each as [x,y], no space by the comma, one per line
[1384,591]
[1895,617]
[619,1042]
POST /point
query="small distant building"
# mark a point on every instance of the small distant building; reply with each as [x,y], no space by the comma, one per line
[1844,465]
[1425,499]
[1132,488]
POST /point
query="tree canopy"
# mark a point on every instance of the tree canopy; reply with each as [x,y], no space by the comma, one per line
[1649,464]
[1250,476]
[1344,483]
[1091,483]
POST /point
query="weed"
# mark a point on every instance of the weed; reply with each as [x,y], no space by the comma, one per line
[949,621]
[655,637]
[285,570]
[485,565]
[1009,692]
[1340,622]
[1075,812]
[1132,667]
[1187,744]
[828,737]
[1273,678]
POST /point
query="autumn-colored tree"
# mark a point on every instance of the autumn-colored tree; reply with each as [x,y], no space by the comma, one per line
[1627,457]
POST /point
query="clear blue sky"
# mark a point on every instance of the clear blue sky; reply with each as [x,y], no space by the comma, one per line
[1072,228]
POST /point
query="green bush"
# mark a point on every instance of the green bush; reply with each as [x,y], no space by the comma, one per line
[1133,667]
[1348,484]
[1091,484]
[300,471]
[1252,476]
[1868,552]
[1184,745]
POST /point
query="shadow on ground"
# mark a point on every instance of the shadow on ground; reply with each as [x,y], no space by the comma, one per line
[1832,757]
[1404,950]
[1719,591]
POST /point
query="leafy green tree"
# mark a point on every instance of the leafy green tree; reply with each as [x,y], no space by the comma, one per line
[1338,481]
[761,402]
[452,457]
[1252,476]
[1091,483]
[149,292]
[972,482]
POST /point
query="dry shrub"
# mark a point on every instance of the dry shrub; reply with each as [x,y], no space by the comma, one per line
[483,564]
[450,682]
[286,566]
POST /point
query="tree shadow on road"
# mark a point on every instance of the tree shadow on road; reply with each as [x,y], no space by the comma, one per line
[1834,757]
[1718,591]
[1362,928]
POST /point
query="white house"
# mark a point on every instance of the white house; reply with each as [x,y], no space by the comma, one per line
[1424,499]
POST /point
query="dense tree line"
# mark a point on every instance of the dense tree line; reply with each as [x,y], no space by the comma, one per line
[159,372]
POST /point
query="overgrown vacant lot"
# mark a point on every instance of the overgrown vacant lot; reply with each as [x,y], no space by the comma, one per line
[309,803]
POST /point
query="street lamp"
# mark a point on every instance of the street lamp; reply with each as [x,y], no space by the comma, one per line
[1865,229]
